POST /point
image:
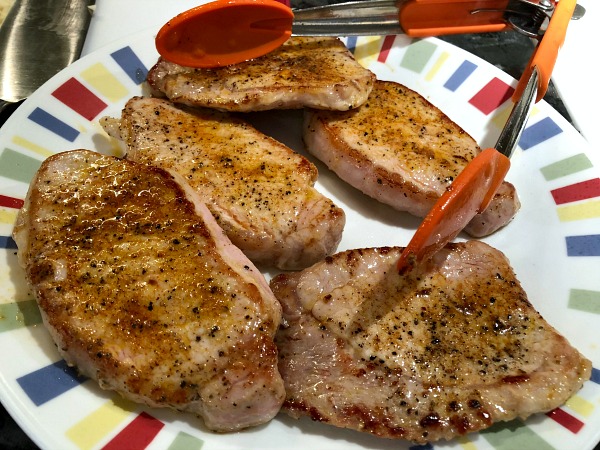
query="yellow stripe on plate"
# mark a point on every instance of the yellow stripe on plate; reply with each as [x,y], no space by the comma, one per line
[99,77]
[580,405]
[580,211]
[437,65]
[501,117]
[22,142]
[89,431]
[367,49]
[466,443]
[8,216]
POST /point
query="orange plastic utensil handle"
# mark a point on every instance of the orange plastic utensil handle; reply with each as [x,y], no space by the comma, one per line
[420,18]
[222,32]
[470,193]
[544,56]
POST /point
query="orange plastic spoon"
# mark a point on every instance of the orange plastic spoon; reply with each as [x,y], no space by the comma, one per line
[223,32]
[474,188]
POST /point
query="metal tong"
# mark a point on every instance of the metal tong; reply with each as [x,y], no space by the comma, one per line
[225,32]
[474,188]
[420,18]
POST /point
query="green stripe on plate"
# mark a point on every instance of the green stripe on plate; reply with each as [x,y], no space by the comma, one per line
[585,300]
[15,166]
[19,314]
[514,435]
[566,167]
[185,441]
[417,55]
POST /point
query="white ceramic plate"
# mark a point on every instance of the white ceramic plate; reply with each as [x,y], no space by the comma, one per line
[553,245]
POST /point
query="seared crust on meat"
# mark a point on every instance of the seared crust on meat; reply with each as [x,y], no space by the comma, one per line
[401,150]
[315,72]
[143,292]
[449,349]
[260,191]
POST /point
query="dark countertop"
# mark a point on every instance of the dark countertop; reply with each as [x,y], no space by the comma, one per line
[508,51]
[11,436]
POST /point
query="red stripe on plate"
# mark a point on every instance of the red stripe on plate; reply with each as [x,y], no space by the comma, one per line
[80,99]
[388,41]
[566,420]
[491,96]
[137,435]
[11,202]
[578,191]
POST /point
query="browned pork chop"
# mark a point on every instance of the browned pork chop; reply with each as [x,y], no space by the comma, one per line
[316,72]
[260,191]
[141,290]
[401,150]
[448,350]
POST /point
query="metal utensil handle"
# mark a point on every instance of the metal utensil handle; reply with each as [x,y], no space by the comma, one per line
[375,17]
[513,129]
[417,18]
[545,54]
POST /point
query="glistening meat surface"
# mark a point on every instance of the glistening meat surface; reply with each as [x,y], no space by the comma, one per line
[141,290]
[447,350]
[260,191]
[401,150]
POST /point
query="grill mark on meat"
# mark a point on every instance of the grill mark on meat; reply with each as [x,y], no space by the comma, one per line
[260,192]
[400,149]
[316,72]
[422,358]
[141,290]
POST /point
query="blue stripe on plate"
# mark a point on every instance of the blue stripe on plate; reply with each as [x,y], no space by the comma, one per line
[460,75]
[421,447]
[53,124]
[49,382]
[131,64]
[538,133]
[595,375]
[586,245]
[351,43]
[8,242]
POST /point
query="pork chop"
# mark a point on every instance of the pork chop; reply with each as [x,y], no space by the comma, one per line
[316,72]
[401,150]
[141,290]
[260,191]
[447,350]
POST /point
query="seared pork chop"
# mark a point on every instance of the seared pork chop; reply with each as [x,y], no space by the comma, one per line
[260,191]
[401,150]
[316,72]
[141,290]
[449,349]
